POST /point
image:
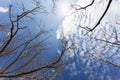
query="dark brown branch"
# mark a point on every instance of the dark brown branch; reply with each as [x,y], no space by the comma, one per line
[29,61]
[99,21]
[17,58]
[108,42]
[19,17]
[111,63]
[84,6]
[11,31]
[51,65]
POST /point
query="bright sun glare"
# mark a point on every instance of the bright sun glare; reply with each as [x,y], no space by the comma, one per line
[63,9]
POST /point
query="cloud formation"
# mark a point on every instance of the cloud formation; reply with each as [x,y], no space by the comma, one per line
[88,50]
[3,10]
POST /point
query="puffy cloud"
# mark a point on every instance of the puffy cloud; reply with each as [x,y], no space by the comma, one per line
[3,10]
[88,49]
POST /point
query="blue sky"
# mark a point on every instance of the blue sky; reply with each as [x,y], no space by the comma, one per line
[58,20]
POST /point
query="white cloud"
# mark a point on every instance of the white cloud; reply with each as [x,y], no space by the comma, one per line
[87,48]
[3,10]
